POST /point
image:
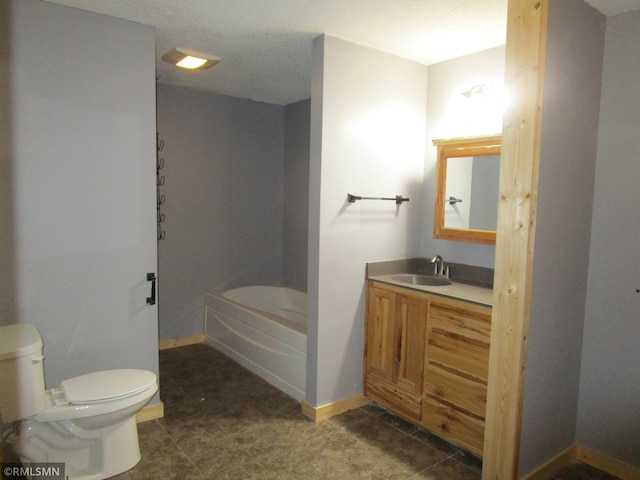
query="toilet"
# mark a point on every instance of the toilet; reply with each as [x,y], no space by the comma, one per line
[88,422]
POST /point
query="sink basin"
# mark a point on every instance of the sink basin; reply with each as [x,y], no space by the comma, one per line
[426,280]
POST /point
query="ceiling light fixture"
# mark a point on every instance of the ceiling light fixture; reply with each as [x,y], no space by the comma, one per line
[183,58]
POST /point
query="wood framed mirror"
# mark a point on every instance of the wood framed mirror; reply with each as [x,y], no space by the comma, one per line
[467,175]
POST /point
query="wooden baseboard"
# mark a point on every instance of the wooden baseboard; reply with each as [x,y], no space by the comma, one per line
[329,410]
[586,455]
[546,470]
[166,343]
[607,464]
[150,412]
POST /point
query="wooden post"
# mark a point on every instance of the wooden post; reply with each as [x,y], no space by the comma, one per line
[524,78]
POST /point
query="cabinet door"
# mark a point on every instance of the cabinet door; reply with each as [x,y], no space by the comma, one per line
[395,336]
[411,316]
[380,332]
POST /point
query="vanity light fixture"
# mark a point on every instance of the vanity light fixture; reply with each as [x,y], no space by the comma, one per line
[183,58]
[484,90]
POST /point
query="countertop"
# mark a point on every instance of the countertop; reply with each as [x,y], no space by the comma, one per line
[459,290]
[469,283]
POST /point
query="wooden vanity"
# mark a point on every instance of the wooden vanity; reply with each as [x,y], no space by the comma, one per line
[427,359]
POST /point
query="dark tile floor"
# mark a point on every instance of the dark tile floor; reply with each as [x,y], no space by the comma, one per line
[223,422]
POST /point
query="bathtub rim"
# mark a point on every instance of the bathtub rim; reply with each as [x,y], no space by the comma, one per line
[285,322]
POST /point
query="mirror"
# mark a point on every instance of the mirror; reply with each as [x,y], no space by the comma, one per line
[467,174]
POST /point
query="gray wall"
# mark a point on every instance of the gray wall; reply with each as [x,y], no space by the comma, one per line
[447,81]
[224,173]
[7,247]
[82,151]
[367,138]
[565,194]
[297,125]
[608,414]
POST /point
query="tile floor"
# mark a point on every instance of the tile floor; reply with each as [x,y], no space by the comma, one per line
[223,422]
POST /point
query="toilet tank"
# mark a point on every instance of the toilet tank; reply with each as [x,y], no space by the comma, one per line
[22,392]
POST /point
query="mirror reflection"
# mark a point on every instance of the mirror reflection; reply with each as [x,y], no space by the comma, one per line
[471,192]
[467,173]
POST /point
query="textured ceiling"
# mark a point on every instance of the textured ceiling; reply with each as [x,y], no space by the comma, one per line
[265,45]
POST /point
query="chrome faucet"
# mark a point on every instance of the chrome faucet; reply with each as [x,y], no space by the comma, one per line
[439,269]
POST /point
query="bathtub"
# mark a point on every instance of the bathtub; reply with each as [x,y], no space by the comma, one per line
[263,328]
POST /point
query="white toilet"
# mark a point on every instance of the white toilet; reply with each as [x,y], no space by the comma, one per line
[88,423]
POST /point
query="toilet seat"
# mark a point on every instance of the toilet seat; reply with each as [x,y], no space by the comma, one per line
[60,408]
[106,386]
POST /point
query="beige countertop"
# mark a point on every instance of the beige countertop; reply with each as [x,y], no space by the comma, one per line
[461,291]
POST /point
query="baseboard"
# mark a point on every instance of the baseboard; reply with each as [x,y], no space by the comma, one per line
[547,469]
[150,412]
[329,410]
[586,455]
[167,343]
[607,464]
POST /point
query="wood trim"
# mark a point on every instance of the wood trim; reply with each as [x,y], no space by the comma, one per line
[167,343]
[607,464]
[524,78]
[588,456]
[150,412]
[329,410]
[554,465]
[469,142]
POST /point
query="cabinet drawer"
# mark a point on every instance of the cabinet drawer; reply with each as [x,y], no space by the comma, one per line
[466,392]
[389,395]
[446,421]
[459,339]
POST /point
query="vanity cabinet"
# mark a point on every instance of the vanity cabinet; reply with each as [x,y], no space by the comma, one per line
[427,359]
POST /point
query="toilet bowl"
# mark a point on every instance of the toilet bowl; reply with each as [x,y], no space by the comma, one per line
[88,422]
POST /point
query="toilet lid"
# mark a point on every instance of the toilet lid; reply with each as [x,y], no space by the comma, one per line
[106,385]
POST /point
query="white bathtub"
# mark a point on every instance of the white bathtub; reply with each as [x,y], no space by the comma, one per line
[264,328]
